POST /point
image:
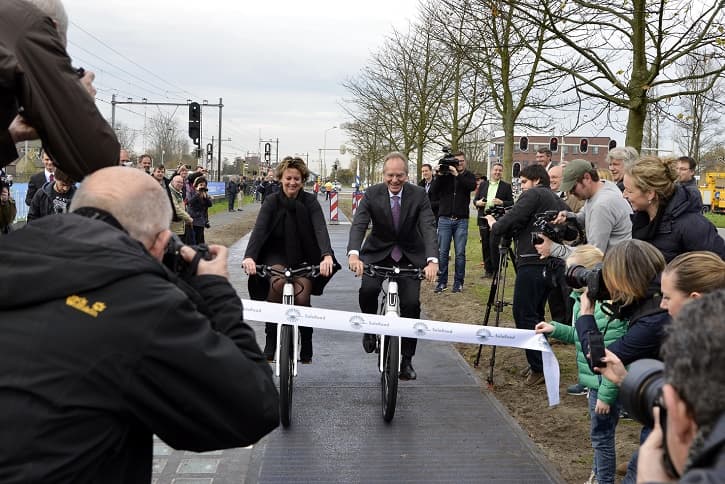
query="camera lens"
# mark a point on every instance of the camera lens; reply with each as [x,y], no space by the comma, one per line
[641,389]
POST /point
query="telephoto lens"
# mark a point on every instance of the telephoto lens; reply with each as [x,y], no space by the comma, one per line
[641,390]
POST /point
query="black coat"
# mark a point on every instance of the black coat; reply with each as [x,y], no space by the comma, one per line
[519,221]
[107,350]
[35,183]
[503,193]
[416,236]
[36,75]
[453,194]
[682,227]
[316,233]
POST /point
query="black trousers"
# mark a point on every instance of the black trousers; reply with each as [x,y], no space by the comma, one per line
[489,249]
[530,292]
[408,293]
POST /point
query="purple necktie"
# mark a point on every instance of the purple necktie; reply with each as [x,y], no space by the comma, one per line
[396,254]
[51,178]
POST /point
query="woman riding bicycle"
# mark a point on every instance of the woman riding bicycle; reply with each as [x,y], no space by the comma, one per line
[290,231]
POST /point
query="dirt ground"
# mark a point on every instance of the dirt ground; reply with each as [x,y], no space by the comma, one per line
[562,432]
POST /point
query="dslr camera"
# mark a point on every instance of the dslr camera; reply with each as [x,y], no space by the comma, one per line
[176,263]
[568,231]
[640,392]
[578,276]
[447,162]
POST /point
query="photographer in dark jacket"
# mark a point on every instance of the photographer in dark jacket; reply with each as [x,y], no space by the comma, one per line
[451,189]
[112,347]
[630,272]
[531,288]
[43,96]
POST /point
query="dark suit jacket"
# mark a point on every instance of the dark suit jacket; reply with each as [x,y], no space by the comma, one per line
[433,203]
[35,183]
[416,236]
[503,193]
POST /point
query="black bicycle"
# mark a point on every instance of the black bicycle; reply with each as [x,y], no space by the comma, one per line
[287,336]
[388,347]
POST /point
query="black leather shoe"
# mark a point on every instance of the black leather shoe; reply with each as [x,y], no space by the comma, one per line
[369,342]
[306,350]
[406,370]
[270,345]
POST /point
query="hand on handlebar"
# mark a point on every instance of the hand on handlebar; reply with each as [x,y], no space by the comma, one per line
[431,271]
[356,265]
[249,266]
[326,266]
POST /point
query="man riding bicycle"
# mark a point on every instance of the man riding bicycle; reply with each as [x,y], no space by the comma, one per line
[403,234]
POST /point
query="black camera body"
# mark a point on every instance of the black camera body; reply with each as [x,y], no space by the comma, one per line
[176,263]
[640,392]
[596,350]
[447,162]
[569,231]
[578,276]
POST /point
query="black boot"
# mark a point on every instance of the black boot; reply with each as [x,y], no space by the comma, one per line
[306,345]
[270,344]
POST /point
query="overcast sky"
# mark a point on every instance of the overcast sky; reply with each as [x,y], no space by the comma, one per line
[277,64]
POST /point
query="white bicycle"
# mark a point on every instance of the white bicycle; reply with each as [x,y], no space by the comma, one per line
[287,349]
[389,347]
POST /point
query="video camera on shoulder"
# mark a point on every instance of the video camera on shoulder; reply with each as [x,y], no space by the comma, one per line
[447,162]
[559,233]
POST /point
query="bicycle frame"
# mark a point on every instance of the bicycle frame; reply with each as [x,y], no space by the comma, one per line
[288,298]
[392,308]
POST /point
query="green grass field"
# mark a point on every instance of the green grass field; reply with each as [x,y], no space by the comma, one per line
[717,219]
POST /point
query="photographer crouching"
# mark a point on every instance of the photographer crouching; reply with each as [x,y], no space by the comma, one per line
[103,346]
[531,288]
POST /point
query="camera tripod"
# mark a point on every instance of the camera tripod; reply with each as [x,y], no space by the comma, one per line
[496,300]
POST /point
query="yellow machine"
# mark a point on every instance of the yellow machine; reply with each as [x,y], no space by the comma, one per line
[712,188]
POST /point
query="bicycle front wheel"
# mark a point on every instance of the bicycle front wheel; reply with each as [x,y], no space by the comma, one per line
[389,376]
[286,375]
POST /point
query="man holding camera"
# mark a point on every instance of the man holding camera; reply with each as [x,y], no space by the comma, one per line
[605,215]
[452,190]
[531,288]
[111,347]
[491,193]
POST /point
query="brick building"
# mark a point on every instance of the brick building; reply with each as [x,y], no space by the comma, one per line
[568,149]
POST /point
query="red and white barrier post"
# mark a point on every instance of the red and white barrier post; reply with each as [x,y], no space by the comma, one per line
[333,207]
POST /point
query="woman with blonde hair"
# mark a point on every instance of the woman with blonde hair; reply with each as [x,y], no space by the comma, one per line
[666,214]
[689,276]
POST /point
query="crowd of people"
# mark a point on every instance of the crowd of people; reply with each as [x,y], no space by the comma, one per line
[134,335]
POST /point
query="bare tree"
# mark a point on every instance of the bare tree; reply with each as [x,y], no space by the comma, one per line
[698,122]
[619,52]
[505,52]
[126,136]
[165,137]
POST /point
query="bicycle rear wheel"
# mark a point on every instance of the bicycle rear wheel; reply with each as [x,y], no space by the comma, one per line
[389,376]
[286,375]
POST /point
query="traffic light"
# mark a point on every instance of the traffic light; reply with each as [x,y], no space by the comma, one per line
[195,122]
[612,144]
[554,144]
[583,145]
[516,170]
[524,143]
[209,152]
[267,152]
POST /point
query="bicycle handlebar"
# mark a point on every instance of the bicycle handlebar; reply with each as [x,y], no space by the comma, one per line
[374,270]
[288,273]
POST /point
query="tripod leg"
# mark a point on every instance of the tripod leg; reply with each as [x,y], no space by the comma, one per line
[500,279]
[491,302]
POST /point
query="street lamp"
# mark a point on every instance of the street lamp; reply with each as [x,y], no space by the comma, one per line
[324,149]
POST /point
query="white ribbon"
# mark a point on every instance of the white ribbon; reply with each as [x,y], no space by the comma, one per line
[411,328]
